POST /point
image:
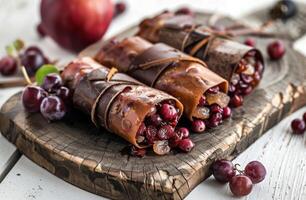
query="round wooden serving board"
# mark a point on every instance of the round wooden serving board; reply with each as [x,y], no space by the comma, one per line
[93,159]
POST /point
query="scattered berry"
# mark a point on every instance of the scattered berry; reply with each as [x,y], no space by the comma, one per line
[223,170]
[185,145]
[165,132]
[241,185]
[236,101]
[168,112]
[250,42]
[182,133]
[8,66]
[120,7]
[227,112]
[276,50]
[298,126]
[255,171]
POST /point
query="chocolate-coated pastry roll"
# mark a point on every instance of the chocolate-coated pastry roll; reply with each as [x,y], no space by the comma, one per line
[121,104]
[240,64]
[168,69]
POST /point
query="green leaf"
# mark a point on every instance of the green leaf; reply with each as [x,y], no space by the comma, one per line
[43,71]
[10,49]
[18,44]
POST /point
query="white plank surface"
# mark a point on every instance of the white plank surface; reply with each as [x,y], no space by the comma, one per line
[282,153]
[8,152]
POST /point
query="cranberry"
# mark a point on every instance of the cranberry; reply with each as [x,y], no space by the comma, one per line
[250,42]
[276,50]
[215,120]
[259,67]
[255,171]
[304,117]
[182,133]
[223,170]
[213,90]
[141,130]
[156,120]
[165,132]
[246,91]
[8,66]
[151,132]
[246,78]
[216,109]
[184,11]
[202,101]
[236,101]
[174,141]
[231,89]
[227,112]
[298,126]
[134,151]
[120,7]
[198,126]
[185,145]
[241,185]
[168,112]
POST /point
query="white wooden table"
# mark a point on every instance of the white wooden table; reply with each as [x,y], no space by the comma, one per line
[282,153]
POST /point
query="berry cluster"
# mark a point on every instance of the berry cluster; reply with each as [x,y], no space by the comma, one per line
[240,184]
[299,125]
[51,99]
[32,58]
[158,130]
[211,110]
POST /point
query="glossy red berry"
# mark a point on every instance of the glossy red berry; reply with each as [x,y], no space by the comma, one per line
[165,132]
[216,109]
[52,82]
[227,112]
[223,170]
[120,7]
[32,97]
[150,134]
[186,145]
[198,126]
[215,120]
[202,101]
[255,171]
[236,101]
[241,185]
[168,112]
[8,66]
[64,93]
[52,108]
[298,126]
[182,133]
[276,50]
[250,42]
[155,119]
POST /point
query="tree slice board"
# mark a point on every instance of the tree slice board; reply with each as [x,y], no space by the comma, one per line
[94,160]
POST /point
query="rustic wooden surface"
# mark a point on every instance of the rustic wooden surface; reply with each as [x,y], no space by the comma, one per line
[92,159]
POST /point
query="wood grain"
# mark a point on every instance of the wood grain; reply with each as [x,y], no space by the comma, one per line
[92,159]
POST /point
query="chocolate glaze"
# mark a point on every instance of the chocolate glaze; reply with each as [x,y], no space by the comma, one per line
[114,101]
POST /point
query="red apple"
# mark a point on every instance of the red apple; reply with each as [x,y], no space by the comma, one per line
[75,24]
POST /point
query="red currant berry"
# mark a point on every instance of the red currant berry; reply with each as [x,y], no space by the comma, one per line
[185,145]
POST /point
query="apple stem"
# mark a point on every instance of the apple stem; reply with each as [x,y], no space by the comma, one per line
[25,75]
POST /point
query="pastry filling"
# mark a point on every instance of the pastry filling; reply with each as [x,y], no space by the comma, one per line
[246,77]
[158,130]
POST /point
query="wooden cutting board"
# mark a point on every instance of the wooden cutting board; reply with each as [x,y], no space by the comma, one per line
[94,160]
